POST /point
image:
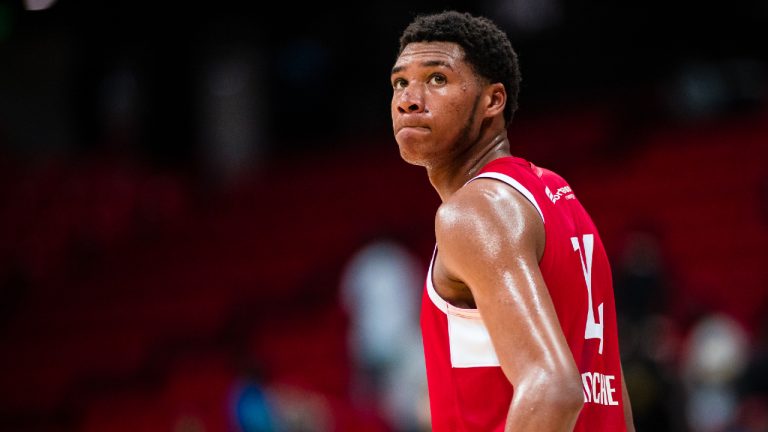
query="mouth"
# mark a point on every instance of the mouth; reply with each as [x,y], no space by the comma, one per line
[414,128]
[407,133]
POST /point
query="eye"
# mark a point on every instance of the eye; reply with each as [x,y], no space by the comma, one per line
[438,79]
[399,84]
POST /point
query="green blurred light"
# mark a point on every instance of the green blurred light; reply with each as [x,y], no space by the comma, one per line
[6,21]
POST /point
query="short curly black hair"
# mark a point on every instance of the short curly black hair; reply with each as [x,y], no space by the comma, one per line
[486,47]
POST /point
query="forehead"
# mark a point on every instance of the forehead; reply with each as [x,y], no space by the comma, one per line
[425,53]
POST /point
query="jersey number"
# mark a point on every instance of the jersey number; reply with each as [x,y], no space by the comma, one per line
[593,329]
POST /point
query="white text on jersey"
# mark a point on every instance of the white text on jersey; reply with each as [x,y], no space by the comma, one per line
[599,388]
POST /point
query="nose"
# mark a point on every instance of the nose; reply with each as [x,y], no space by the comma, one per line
[410,101]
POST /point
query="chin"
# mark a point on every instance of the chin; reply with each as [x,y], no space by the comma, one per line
[413,160]
[412,157]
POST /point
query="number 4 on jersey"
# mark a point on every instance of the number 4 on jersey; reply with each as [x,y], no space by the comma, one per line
[593,329]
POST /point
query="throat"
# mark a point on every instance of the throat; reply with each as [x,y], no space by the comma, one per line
[497,149]
[450,176]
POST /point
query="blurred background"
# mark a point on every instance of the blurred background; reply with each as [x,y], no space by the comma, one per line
[205,224]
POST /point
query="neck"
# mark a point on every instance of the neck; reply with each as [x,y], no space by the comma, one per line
[450,177]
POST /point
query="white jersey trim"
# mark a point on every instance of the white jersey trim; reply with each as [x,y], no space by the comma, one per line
[515,184]
[468,339]
[470,343]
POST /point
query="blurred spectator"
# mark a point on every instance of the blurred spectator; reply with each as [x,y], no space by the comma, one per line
[715,355]
[380,290]
[253,409]
[297,409]
[649,338]
[640,277]
[649,355]
[752,388]
[267,404]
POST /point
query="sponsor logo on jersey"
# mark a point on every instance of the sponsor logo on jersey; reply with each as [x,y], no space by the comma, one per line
[564,191]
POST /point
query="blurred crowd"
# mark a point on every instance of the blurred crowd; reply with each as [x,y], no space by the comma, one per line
[205,225]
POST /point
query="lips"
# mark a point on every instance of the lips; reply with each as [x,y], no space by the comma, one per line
[413,130]
[414,126]
[407,133]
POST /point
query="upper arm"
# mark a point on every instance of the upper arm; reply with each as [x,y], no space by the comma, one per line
[490,238]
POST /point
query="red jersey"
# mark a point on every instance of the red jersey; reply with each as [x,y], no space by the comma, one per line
[468,390]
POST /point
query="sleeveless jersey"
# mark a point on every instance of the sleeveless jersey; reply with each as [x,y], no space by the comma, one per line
[467,389]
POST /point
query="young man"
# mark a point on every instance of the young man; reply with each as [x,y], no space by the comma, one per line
[518,314]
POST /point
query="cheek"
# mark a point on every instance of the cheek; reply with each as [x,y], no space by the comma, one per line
[456,113]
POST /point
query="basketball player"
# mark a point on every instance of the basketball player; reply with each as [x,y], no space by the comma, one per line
[518,314]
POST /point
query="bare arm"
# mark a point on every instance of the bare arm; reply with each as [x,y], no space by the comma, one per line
[490,238]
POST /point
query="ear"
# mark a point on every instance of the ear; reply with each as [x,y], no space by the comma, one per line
[496,99]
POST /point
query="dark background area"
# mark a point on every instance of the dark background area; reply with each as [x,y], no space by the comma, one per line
[182,187]
[319,70]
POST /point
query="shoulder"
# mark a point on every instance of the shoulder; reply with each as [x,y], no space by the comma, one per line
[483,200]
[484,212]
[473,200]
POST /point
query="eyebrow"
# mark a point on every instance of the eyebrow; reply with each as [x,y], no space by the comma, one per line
[428,63]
